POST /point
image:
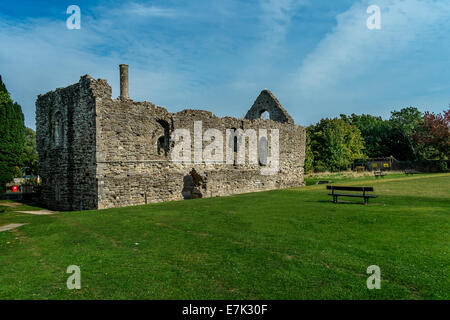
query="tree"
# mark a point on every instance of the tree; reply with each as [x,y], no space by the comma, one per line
[12,131]
[404,124]
[335,144]
[2,86]
[29,156]
[375,132]
[309,155]
[433,136]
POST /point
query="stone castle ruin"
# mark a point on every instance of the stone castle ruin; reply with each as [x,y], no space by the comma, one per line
[96,152]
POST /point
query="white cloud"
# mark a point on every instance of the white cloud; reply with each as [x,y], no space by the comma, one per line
[353,69]
[274,22]
[168,67]
[138,9]
[43,54]
[276,18]
[351,50]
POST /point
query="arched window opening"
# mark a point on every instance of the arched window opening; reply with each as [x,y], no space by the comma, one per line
[58,133]
[163,143]
[265,115]
[234,140]
[263,151]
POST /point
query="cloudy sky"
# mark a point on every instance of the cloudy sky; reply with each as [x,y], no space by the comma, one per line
[317,56]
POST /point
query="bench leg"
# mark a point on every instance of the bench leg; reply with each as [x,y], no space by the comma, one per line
[366,201]
[335,199]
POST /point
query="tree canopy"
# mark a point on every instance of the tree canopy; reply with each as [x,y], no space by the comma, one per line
[334,144]
[432,137]
[12,135]
[29,158]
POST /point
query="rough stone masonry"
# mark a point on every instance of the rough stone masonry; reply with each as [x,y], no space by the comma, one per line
[96,152]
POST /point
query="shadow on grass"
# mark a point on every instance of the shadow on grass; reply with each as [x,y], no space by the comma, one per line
[348,202]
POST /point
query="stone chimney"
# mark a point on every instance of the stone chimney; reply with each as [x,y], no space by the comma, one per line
[124,81]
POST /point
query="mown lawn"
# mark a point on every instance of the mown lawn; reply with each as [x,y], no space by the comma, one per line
[284,244]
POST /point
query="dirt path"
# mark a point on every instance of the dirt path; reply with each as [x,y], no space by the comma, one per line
[39,212]
[11,226]
[10,204]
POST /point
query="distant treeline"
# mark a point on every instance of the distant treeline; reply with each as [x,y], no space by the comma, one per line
[408,135]
[18,154]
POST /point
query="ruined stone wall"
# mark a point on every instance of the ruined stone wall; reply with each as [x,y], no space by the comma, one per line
[99,152]
[65,137]
[131,171]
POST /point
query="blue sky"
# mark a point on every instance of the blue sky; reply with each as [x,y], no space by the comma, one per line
[317,56]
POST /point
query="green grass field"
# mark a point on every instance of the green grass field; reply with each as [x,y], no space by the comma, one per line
[284,244]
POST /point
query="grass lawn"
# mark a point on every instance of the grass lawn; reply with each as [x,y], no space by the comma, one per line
[283,244]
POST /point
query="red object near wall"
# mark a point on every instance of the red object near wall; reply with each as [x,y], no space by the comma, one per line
[14,189]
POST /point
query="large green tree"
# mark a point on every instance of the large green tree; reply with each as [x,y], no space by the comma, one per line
[433,136]
[393,137]
[404,125]
[29,154]
[375,132]
[12,134]
[335,144]
[309,155]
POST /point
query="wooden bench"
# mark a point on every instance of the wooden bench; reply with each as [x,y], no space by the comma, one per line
[360,189]
[323,182]
[379,174]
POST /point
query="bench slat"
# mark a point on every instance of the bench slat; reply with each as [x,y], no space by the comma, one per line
[350,188]
[352,195]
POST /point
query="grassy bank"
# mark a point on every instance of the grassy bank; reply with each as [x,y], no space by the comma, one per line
[283,244]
